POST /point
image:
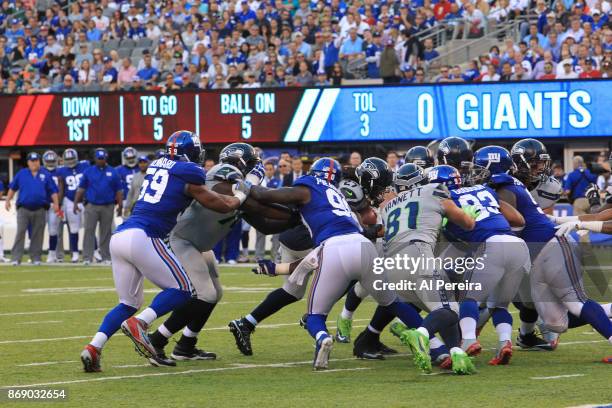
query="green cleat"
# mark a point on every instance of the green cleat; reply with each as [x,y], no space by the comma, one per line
[419,345]
[397,328]
[462,363]
[343,329]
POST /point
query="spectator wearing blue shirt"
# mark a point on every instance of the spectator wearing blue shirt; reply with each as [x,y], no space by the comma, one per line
[93,33]
[109,74]
[575,184]
[270,180]
[102,189]
[330,52]
[352,48]
[37,191]
[246,13]
[148,72]
[429,52]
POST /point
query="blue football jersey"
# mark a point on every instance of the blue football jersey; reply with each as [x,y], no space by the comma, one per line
[327,214]
[163,196]
[55,176]
[490,221]
[72,178]
[538,228]
[126,174]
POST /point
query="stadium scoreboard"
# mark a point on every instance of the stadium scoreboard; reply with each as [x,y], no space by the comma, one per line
[350,114]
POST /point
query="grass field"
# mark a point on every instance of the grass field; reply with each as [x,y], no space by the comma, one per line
[47,314]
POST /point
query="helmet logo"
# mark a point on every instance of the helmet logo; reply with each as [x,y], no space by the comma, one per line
[371,168]
[518,150]
[494,157]
[195,139]
[444,148]
[433,174]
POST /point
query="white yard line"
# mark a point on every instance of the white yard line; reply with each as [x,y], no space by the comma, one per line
[95,309]
[44,363]
[41,322]
[335,370]
[554,377]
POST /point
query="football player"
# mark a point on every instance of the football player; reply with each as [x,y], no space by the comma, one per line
[412,221]
[456,152]
[421,156]
[129,167]
[70,175]
[138,249]
[196,233]
[555,280]
[343,254]
[54,221]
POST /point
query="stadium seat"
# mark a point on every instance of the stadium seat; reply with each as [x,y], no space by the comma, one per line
[144,42]
[111,45]
[124,52]
[128,43]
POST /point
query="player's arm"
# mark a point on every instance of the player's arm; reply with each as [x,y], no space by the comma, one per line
[255,207]
[456,215]
[605,215]
[60,189]
[507,196]
[285,195]
[269,226]
[9,197]
[216,202]
[515,219]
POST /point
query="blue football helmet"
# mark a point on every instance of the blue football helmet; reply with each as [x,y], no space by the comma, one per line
[70,157]
[496,159]
[130,156]
[100,154]
[445,174]
[50,160]
[184,145]
[328,169]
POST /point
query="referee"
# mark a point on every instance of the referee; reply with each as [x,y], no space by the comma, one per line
[102,189]
[36,191]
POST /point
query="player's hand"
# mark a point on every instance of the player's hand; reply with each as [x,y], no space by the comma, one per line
[592,194]
[7,205]
[472,211]
[241,189]
[119,211]
[76,209]
[265,267]
[567,228]
[256,175]
[58,211]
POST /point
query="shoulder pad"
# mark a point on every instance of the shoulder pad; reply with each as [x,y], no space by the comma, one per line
[441,191]
[547,192]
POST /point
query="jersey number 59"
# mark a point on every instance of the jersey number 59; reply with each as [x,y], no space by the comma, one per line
[157,185]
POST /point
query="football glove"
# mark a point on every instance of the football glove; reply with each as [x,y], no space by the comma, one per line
[472,211]
[592,194]
[256,175]
[265,267]
[567,228]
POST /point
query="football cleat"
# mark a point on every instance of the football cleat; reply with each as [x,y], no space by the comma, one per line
[530,341]
[322,351]
[51,257]
[343,329]
[136,330]
[471,346]
[397,328]
[90,357]
[366,347]
[97,256]
[302,321]
[462,364]
[242,335]
[191,354]
[383,348]
[504,354]
[75,257]
[419,345]
[607,360]
[549,336]
[161,360]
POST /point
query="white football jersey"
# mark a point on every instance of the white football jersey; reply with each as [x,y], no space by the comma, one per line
[547,192]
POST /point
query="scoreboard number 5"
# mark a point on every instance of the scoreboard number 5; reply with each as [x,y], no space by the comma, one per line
[158,129]
[246,127]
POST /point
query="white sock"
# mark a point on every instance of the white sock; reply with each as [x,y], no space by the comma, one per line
[75,254]
[99,340]
[188,333]
[346,314]
[527,327]
[163,330]
[51,253]
[251,319]
[423,331]
[607,307]
[468,328]
[147,315]
[457,350]
[610,339]
[319,334]
[504,331]
[435,342]
[373,330]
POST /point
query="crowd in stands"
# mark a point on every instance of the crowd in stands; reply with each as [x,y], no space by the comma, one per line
[63,46]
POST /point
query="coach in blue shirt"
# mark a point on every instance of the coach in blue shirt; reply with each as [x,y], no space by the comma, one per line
[576,183]
[37,191]
[101,186]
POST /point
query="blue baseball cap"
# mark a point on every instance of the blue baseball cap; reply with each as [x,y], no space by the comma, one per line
[100,154]
[33,156]
[143,158]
